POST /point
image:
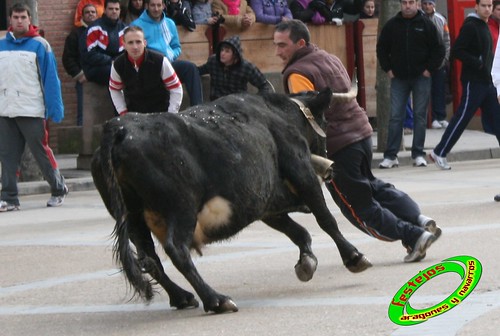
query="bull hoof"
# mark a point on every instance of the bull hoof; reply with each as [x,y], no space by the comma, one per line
[358,264]
[183,300]
[225,306]
[190,303]
[306,266]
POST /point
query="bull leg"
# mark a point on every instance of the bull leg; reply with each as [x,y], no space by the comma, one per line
[140,235]
[177,246]
[307,263]
[310,191]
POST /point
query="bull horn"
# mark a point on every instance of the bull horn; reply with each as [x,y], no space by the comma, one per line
[322,166]
[348,96]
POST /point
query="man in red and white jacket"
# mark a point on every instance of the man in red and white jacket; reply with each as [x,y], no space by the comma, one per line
[143,80]
[104,43]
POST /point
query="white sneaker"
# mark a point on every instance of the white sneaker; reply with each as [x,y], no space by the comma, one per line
[6,206]
[388,163]
[56,201]
[419,250]
[440,161]
[436,125]
[444,123]
[419,161]
[429,225]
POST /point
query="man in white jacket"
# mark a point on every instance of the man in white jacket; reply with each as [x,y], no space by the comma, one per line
[31,93]
[495,76]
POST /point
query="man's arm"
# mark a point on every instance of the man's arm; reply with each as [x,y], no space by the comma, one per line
[384,48]
[172,85]
[258,79]
[175,43]
[116,91]
[71,56]
[437,51]
[50,82]
[298,83]
[461,48]
[95,54]
[495,70]
[446,40]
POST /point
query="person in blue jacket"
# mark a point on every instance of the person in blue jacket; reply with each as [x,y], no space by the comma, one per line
[271,11]
[31,93]
[162,36]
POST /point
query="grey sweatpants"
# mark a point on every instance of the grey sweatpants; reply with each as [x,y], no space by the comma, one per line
[15,133]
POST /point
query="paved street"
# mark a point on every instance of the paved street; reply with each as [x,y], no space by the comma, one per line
[57,276]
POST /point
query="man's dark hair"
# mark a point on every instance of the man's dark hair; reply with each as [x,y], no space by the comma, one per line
[18,8]
[110,1]
[87,6]
[496,3]
[298,30]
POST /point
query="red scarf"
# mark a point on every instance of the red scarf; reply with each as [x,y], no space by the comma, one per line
[233,6]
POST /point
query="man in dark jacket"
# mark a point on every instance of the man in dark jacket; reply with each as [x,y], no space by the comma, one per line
[104,43]
[373,206]
[409,50]
[230,72]
[71,56]
[473,47]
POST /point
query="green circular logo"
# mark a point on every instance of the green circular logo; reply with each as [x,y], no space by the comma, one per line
[469,269]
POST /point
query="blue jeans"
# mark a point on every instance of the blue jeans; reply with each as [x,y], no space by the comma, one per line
[190,76]
[79,103]
[420,88]
[438,94]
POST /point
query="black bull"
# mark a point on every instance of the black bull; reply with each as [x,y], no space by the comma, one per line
[205,174]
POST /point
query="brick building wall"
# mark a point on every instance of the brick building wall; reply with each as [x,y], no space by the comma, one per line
[56,19]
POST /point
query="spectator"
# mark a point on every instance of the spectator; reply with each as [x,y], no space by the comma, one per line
[98,4]
[143,80]
[180,12]
[230,72]
[333,10]
[133,11]
[494,23]
[301,11]
[104,43]
[202,12]
[495,69]
[271,11]
[71,57]
[31,93]
[237,14]
[473,47]
[438,76]
[409,50]
[373,206]
[161,35]
[368,11]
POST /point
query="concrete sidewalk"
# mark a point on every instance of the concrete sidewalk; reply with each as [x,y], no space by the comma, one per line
[473,145]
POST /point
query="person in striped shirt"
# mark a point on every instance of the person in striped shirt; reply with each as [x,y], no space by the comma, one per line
[143,80]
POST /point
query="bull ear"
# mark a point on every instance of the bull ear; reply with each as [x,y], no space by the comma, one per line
[350,95]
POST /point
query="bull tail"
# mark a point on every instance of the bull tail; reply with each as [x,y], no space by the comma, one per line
[122,251]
